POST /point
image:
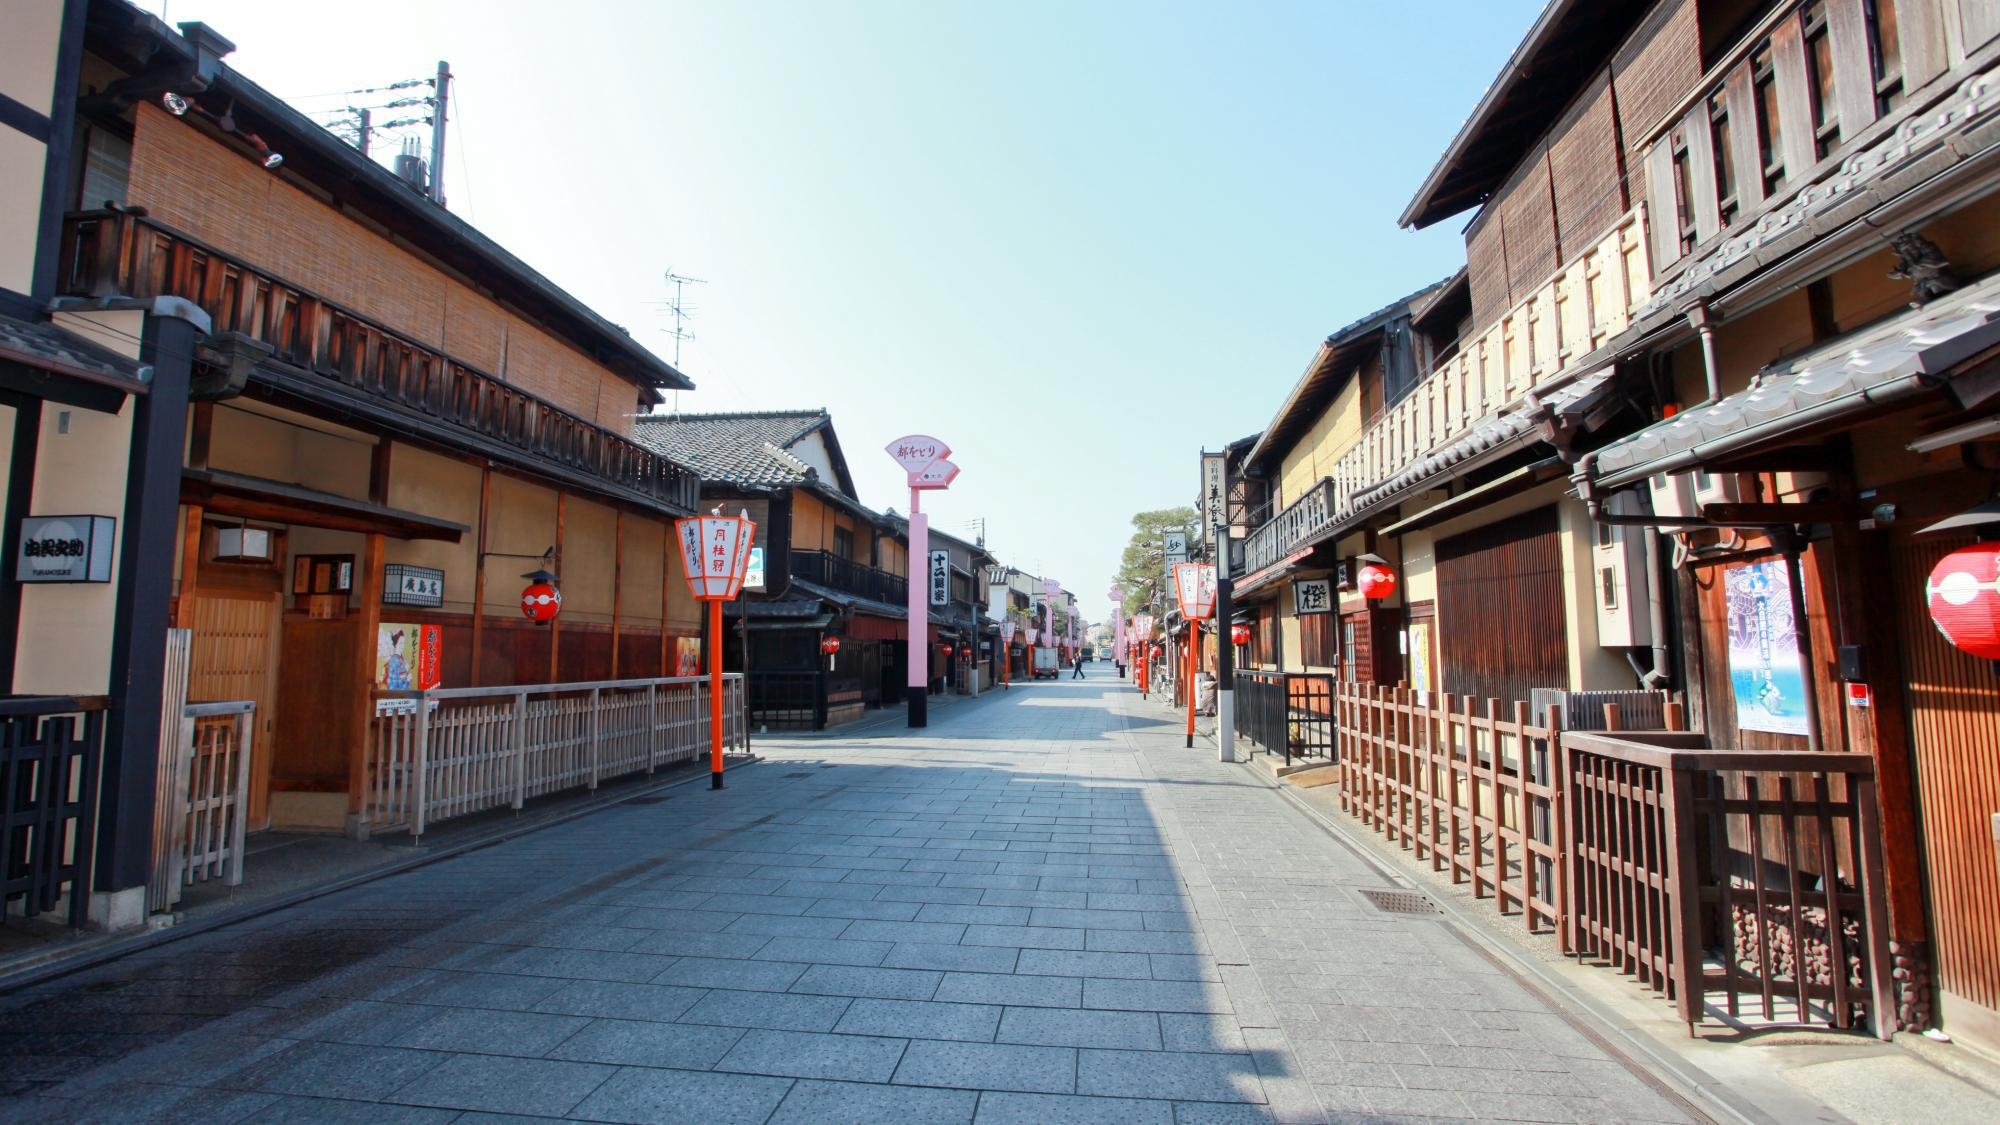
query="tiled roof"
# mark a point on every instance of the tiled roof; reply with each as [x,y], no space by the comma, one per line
[49,348]
[737,448]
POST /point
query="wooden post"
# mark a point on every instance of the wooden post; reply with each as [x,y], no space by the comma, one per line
[368,623]
[555,626]
[479,577]
[667,556]
[617,583]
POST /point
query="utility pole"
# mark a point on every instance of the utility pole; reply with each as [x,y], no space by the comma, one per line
[437,132]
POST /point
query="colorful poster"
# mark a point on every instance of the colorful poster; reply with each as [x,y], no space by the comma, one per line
[687,656]
[1764,671]
[1420,661]
[408,657]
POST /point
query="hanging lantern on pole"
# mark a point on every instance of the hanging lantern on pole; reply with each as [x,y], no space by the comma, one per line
[715,554]
[1963,595]
[542,600]
[1375,580]
[1194,585]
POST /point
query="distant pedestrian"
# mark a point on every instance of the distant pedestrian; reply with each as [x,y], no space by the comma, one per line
[1079,667]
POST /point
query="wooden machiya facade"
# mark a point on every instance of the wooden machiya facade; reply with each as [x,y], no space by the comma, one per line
[832,569]
[392,420]
[1722,355]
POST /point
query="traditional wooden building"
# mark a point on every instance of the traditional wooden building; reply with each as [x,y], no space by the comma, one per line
[832,569]
[385,419]
[1717,368]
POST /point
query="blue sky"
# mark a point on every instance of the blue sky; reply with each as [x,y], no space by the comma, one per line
[1079,242]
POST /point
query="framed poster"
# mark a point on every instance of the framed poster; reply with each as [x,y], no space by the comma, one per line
[1765,676]
[687,656]
[408,657]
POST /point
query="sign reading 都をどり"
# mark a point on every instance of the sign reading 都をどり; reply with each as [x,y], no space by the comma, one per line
[1312,595]
[1765,675]
[65,549]
[940,577]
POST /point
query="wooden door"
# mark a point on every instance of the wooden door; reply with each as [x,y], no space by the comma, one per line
[235,656]
[1954,705]
[319,722]
[1499,608]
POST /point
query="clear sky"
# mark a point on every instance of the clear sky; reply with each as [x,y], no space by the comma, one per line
[1077,241]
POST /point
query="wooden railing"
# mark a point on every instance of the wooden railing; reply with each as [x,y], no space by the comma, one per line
[1467,785]
[50,753]
[1289,714]
[1755,875]
[450,752]
[850,577]
[203,817]
[1717,877]
[1534,346]
[124,253]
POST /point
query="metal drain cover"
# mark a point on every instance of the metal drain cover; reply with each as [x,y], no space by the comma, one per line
[1400,902]
[802,773]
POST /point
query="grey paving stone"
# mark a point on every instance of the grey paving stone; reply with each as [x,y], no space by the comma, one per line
[685,1097]
[548,1087]
[973,915]
[893,878]
[855,980]
[963,958]
[624,1001]
[830,951]
[943,933]
[312,1111]
[758,903]
[849,1103]
[480,990]
[684,944]
[715,972]
[921,1019]
[1174,903]
[1079,963]
[963,896]
[787,925]
[638,1043]
[336,1070]
[693,921]
[849,908]
[1070,1109]
[988,1066]
[1145,941]
[584,964]
[1227,1113]
[1026,991]
[806,1054]
[478,1031]
[776,1010]
[990,880]
[1024,937]
[1080,1027]
[1169,1074]
[1155,995]
[858,892]
[1033,898]
[1088,919]
[1194,1031]
[1169,966]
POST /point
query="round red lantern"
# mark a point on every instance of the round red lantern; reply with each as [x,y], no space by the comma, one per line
[1376,581]
[541,601]
[829,645]
[1239,634]
[1964,596]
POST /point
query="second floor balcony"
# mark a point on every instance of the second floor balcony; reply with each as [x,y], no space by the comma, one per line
[325,352]
[823,568]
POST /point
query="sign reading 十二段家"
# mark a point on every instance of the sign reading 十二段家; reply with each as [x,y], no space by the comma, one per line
[940,576]
[65,549]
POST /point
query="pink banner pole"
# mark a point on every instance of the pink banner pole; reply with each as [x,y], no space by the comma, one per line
[920,603]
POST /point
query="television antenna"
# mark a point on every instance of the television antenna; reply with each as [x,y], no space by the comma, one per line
[680,310]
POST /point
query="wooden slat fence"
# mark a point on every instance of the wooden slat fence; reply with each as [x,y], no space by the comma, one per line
[449,752]
[1731,878]
[1468,786]
[50,750]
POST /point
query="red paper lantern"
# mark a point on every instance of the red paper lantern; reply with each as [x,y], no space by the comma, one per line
[1964,596]
[540,602]
[1239,634]
[1376,581]
[829,645]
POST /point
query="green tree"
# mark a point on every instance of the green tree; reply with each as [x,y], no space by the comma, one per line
[1143,570]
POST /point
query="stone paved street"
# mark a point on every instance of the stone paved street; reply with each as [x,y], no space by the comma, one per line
[1040,909]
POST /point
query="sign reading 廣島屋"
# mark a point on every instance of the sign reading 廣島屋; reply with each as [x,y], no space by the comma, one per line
[1312,595]
[940,576]
[65,549]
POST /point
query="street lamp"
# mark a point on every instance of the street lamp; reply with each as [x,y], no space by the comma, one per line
[1194,585]
[715,551]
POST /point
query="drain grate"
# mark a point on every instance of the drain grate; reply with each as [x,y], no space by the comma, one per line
[1400,902]
[647,800]
[801,773]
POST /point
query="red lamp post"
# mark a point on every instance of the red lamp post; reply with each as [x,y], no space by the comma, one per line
[1006,650]
[1142,633]
[715,551]
[1194,585]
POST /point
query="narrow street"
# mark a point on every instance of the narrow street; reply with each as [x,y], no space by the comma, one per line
[1040,909]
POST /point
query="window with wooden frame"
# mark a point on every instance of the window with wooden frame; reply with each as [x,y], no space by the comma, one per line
[1722,141]
[843,542]
[1264,638]
[1820,90]
[1885,52]
[1347,667]
[1684,221]
[1770,119]
[1318,644]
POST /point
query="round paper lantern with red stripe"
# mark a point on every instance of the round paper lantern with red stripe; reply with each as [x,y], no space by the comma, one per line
[1964,596]
[540,602]
[1376,581]
[829,645]
[1239,634]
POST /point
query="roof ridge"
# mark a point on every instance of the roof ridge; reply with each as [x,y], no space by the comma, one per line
[730,415]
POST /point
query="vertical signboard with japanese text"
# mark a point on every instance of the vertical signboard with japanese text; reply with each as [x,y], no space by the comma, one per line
[940,578]
[1214,495]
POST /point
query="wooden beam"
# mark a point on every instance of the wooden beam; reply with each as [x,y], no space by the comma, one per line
[1775,515]
[666,576]
[555,627]
[190,567]
[617,581]
[368,622]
